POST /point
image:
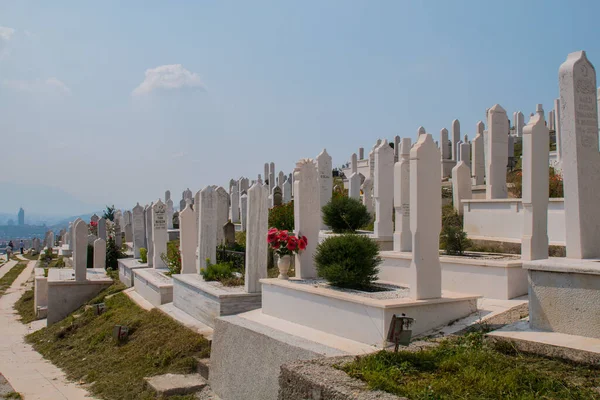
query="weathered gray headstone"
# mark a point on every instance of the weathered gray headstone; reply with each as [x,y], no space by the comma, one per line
[208,227]
[160,235]
[402,234]
[307,220]
[229,233]
[100,253]
[188,237]
[139,235]
[80,250]
[256,237]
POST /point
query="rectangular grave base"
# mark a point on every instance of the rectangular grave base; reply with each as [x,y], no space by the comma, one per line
[564,294]
[355,317]
[205,302]
[153,285]
[502,279]
[65,294]
[126,268]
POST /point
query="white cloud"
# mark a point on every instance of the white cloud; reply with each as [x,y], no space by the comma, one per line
[168,77]
[6,35]
[38,85]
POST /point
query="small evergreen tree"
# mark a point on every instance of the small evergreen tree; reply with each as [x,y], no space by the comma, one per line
[109,213]
[345,214]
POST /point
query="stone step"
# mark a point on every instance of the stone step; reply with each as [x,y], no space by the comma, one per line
[175,384]
[203,367]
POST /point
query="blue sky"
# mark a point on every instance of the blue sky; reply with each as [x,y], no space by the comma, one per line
[257,81]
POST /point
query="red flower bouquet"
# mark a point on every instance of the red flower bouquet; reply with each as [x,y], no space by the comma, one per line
[285,243]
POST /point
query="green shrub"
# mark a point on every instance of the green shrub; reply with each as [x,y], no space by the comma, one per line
[172,258]
[348,261]
[450,217]
[344,214]
[282,217]
[143,255]
[216,272]
[454,240]
[113,253]
[90,256]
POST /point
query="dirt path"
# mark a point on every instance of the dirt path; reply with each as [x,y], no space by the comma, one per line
[24,368]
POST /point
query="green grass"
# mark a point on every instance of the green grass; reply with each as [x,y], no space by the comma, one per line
[82,345]
[470,368]
[13,395]
[30,257]
[7,280]
[24,307]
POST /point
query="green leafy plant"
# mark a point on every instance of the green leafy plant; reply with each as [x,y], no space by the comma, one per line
[113,253]
[452,237]
[143,255]
[556,184]
[109,213]
[90,256]
[282,217]
[172,258]
[345,214]
[348,261]
[221,272]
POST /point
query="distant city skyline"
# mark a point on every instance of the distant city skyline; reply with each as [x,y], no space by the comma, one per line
[114,103]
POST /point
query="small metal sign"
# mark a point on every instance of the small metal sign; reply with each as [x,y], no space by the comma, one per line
[99,308]
[120,333]
[399,332]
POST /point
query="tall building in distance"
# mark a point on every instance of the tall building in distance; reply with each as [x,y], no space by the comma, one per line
[21,216]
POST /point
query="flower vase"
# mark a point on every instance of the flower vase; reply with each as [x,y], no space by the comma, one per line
[283,264]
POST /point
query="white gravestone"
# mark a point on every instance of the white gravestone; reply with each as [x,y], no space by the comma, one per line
[397,141]
[444,144]
[324,167]
[80,250]
[307,219]
[354,179]
[581,160]
[266,174]
[477,149]
[536,140]
[425,219]
[280,179]
[100,253]
[244,210]
[160,236]
[402,234]
[287,190]
[455,139]
[367,189]
[461,180]
[384,190]
[256,237]
[497,154]
[149,239]
[519,124]
[271,176]
[222,213]
[139,234]
[102,228]
[207,229]
[167,195]
[118,235]
[188,234]
[557,130]
[129,233]
[170,212]
[235,204]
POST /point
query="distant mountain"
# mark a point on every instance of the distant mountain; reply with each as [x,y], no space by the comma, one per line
[42,204]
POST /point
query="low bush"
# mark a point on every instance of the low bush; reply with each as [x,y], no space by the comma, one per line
[345,214]
[348,261]
[221,272]
[452,237]
[143,255]
[113,253]
[282,217]
[172,258]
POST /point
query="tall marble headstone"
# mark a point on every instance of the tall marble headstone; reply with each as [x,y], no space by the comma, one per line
[188,234]
[244,211]
[455,139]
[80,250]
[102,228]
[536,140]
[307,220]
[256,243]
[557,130]
[170,211]
[222,212]
[354,179]
[383,190]
[234,213]
[477,151]
[149,238]
[402,234]
[287,190]
[497,154]
[208,227]
[160,236]
[425,219]
[139,235]
[581,160]
[100,253]
[444,145]
[324,167]
[461,180]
